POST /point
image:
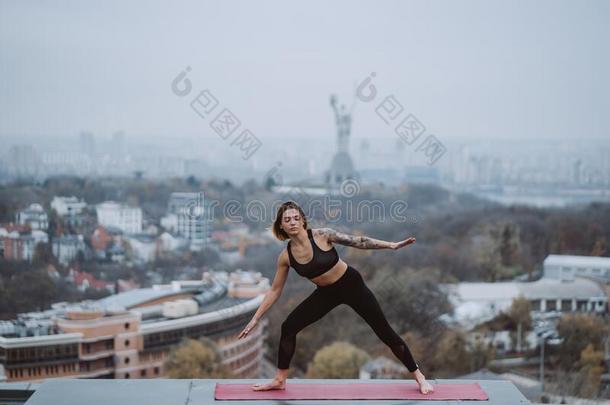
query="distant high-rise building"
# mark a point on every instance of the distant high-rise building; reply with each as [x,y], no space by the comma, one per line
[23,160]
[87,143]
[128,219]
[577,172]
[118,144]
[192,217]
[67,206]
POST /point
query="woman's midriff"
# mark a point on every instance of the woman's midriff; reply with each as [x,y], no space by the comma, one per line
[331,275]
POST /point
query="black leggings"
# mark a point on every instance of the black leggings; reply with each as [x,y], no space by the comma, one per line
[350,289]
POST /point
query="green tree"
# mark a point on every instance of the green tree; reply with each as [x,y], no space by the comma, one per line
[338,360]
[196,359]
[31,290]
[509,242]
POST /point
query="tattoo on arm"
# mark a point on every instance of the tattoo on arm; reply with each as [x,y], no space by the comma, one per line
[360,242]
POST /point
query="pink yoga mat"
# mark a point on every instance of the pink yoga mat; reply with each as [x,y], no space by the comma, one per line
[402,390]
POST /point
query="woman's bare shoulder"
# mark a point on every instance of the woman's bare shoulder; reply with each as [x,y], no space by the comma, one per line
[283,256]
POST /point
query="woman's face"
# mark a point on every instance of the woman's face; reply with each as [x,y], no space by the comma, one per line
[292,222]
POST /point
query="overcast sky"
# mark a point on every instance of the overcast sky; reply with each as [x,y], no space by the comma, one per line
[505,69]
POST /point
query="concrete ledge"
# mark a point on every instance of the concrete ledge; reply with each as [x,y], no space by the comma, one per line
[201,391]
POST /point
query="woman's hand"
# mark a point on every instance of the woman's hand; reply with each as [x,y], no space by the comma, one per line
[398,245]
[248,328]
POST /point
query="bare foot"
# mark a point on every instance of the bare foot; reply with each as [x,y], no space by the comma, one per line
[424,386]
[275,384]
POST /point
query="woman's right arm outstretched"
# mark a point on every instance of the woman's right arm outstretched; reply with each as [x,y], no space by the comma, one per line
[281,274]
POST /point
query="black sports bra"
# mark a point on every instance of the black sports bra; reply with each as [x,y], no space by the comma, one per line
[322,261]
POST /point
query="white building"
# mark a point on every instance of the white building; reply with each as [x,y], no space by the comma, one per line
[67,206]
[170,223]
[188,216]
[169,243]
[247,284]
[143,247]
[128,219]
[34,216]
[475,303]
[20,246]
[66,247]
[566,267]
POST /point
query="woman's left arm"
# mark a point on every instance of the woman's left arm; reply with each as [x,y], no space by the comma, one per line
[362,242]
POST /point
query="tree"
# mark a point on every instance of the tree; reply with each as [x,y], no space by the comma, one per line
[31,290]
[129,253]
[411,300]
[520,315]
[480,355]
[509,242]
[5,310]
[495,247]
[43,255]
[600,248]
[486,252]
[589,376]
[451,357]
[205,257]
[417,344]
[192,182]
[338,360]
[520,312]
[577,331]
[196,359]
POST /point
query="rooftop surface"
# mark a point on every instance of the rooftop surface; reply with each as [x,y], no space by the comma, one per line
[572,260]
[201,391]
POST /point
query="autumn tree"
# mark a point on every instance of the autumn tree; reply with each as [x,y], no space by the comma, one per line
[589,376]
[451,356]
[480,355]
[495,247]
[196,359]
[600,248]
[520,314]
[418,344]
[338,360]
[485,249]
[577,331]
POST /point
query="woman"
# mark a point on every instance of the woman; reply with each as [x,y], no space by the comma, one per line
[312,255]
